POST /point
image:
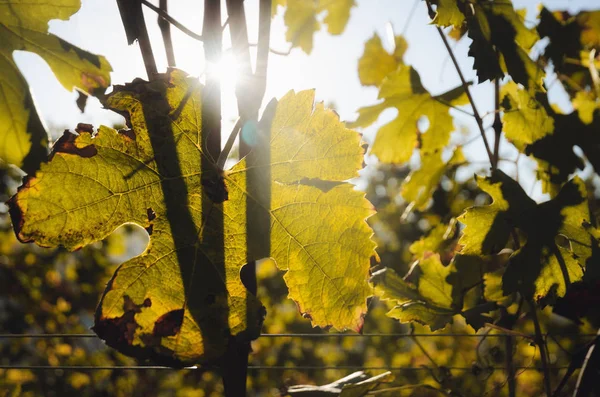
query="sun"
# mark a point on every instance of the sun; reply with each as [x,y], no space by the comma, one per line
[227,69]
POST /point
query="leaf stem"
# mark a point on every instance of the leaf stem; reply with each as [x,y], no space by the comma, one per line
[497,124]
[539,340]
[465,87]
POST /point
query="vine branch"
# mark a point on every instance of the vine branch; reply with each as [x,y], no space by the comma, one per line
[497,124]
[164,15]
[165,30]
[465,87]
[539,340]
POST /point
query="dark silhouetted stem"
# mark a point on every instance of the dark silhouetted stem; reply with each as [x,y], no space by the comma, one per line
[466,88]
[165,30]
[539,340]
[164,15]
[497,124]
[510,367]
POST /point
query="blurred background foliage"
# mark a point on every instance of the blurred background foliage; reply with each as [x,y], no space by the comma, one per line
[52,291]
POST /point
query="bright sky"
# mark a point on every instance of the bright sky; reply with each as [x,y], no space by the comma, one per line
[331,68]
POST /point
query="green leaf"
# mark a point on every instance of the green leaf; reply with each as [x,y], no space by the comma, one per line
[23,26]
[585,105]
[543,264]
[432,283]
[433,242]
[525,119]
[497,27]
[555,153]
[420,184]
[569,36]
[302,23]
[402,90]
[180,300]
[448,14]
[376,62]
[430,303]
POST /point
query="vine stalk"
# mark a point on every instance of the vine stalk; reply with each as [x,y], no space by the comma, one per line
[539,341]
[465,86]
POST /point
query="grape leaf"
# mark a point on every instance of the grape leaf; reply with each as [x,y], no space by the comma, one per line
[448,14]
[420,184]
[569,35]
[301,19]
[525,119]
[543,264]
[23,26]
[432,242]
[181,300]
[376,62]
[585,104]
[430,303]
[402,89]
[501,41]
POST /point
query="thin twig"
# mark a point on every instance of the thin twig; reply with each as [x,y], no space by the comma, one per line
[172,21]
[584,366]
[510,368]
[497,124]
[274,51]
[229,144]
[145,46]
[422,348]
[466,88]
[539,340]
[165,30]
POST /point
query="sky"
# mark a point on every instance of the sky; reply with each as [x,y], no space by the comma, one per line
[331,68]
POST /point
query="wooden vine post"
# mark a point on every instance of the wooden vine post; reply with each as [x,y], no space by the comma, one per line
[250,90]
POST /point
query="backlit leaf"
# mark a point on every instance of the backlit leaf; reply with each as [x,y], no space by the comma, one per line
[302,19]
[402,90]
[376,62]
[430,303]
[569,36]
[23,26]
[497,27]
[448,14]
[420,184]
[555,153]
[180,300]
[525,119]
[543,264]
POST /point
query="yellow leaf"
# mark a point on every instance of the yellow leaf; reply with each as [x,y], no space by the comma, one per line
[23,26]
[402,90]
[525,118]
[180,301]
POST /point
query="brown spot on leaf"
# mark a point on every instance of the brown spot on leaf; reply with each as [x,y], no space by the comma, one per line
[81,100]
[151,214]
[66,144]
[120,330]
[128,132]
[169,323]
[84,127]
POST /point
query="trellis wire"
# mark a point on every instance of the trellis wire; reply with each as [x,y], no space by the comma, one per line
[258,367]
[331,335]
[281,367]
